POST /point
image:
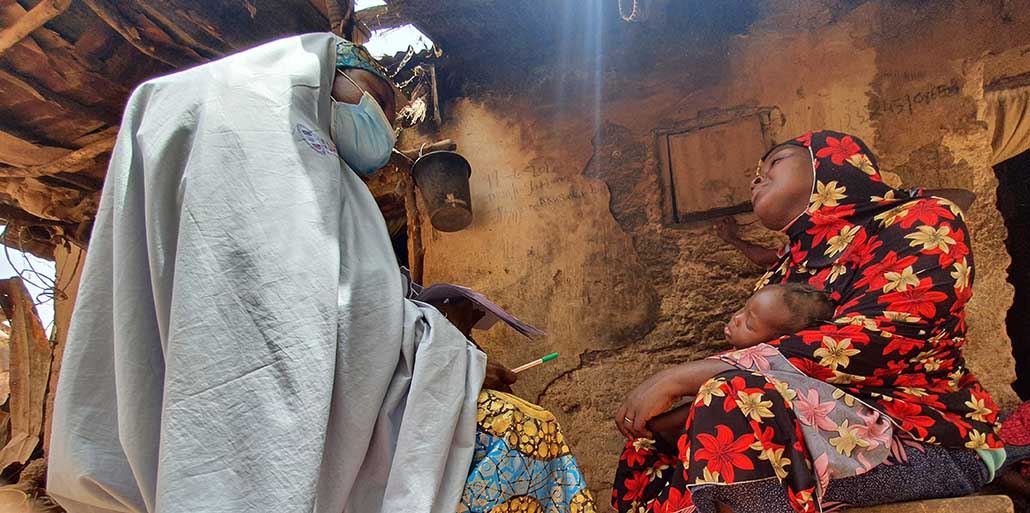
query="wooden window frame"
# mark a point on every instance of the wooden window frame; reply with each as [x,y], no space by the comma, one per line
[769,118]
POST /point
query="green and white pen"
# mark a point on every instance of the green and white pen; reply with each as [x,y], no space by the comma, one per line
[534,363]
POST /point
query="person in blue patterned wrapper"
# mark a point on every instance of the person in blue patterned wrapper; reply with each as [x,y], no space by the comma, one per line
[521,461]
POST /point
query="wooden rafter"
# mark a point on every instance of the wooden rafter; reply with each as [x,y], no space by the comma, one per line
[1009,82]
[45,95]
[12,215]
[59,74]
[17,152]
[168,52]
[95,137]
[69,162]
[32,20]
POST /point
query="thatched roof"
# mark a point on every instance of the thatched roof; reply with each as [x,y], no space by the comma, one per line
[67,67]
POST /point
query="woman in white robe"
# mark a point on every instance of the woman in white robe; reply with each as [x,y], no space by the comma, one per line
[241,341]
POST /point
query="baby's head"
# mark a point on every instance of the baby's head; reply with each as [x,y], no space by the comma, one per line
[775,311]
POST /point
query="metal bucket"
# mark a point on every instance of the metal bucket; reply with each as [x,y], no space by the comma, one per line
[443,178]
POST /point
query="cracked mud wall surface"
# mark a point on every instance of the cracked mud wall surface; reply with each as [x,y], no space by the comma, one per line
[568,230]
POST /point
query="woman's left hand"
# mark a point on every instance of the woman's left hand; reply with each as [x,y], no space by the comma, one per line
[648,399]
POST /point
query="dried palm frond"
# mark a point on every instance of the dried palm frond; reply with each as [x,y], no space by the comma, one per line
[413,113]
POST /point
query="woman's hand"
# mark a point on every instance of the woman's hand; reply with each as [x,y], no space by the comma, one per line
[647,400]
[658,393]
[498,377]
[727,229]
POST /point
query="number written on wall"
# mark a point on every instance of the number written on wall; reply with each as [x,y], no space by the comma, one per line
[909,103]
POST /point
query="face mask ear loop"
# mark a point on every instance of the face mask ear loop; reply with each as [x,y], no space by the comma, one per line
[805,211]
[351,80]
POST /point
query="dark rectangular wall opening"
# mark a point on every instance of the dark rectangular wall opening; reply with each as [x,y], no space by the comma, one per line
[1014,205]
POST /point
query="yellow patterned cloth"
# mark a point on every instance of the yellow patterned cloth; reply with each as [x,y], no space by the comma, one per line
[521,462]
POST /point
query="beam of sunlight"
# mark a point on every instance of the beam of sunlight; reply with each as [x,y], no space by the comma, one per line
[580,50]
[595,33]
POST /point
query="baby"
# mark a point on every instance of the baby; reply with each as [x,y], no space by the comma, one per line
[775,311]
[772,312]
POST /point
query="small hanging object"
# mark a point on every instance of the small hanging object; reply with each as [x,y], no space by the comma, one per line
[443,178]
[632,13]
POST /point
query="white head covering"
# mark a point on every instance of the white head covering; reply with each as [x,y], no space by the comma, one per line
[241,341]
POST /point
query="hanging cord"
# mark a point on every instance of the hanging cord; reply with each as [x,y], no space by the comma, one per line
[634,13]
[44,281]
[59,290]
[50,291]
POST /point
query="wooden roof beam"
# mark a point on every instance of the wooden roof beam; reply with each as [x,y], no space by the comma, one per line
[69,161]
[166,51]
[45,95]
[18,152]
[32,20]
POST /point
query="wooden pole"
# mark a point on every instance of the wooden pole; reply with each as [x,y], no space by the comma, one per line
[341,17]
[416,253]
[31,357]
[32,20]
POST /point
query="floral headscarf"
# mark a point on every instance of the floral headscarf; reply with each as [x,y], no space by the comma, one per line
[848,191]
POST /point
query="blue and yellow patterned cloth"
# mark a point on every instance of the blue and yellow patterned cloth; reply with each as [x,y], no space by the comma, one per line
[350,55]
[521,462]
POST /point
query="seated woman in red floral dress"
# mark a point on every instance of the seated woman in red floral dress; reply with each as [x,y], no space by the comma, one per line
[876,406]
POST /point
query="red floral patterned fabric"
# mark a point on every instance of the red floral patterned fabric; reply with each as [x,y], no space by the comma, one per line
[900,270]
[1016,428]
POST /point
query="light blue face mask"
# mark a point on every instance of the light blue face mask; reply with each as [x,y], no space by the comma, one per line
[363,135]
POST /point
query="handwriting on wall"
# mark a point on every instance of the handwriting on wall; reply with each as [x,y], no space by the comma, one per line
[508,197]
[911,102]
[903,75]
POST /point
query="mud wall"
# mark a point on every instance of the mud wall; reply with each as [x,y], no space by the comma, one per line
[569,230]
